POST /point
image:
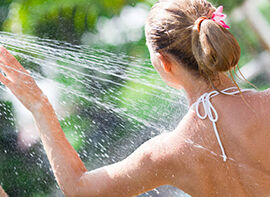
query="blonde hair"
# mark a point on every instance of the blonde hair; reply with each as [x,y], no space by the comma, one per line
[172,27]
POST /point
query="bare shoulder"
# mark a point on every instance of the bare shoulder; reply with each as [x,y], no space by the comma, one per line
[157,150]
[265,95]
[153,164]
[263,103]
[163,151]
[260,100]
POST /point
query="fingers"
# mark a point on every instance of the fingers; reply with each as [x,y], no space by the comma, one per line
[7,58]
[4,63]
[4,80]
[9,64]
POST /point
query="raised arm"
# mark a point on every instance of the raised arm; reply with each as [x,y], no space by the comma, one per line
[142,171]
[148,167]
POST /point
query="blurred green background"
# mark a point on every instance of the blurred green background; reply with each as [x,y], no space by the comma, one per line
[98,24]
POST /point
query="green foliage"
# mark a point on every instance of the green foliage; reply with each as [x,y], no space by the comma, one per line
[248,41]
[21,173]
[62,19]
[229,5]
[138,99]
[74,128]
[4,9]
[264,8]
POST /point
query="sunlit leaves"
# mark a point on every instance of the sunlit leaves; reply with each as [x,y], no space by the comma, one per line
[63,19]
[229,5]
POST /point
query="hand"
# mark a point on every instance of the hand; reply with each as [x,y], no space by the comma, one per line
[19,81]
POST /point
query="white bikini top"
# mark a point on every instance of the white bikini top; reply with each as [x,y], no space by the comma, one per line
[211,113]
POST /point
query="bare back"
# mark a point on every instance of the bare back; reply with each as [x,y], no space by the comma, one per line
[245,133]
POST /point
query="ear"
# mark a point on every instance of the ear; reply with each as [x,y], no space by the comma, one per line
[167,65]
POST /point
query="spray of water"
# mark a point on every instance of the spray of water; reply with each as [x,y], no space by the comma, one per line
[108,104]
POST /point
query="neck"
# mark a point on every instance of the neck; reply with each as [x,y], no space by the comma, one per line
[196,87]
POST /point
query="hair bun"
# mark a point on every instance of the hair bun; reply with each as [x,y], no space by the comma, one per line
[214,48]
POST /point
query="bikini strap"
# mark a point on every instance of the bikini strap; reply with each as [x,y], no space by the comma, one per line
[210,112]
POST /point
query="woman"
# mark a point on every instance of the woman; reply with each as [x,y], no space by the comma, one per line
[221,146]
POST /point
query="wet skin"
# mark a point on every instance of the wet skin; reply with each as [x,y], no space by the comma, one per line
[188,157]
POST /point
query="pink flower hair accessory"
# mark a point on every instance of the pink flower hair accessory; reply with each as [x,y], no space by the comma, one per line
[217,16]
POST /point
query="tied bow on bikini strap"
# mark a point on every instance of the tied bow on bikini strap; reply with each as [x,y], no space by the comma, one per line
[210,112]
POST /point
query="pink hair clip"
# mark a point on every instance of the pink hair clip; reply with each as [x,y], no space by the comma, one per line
[219,17]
